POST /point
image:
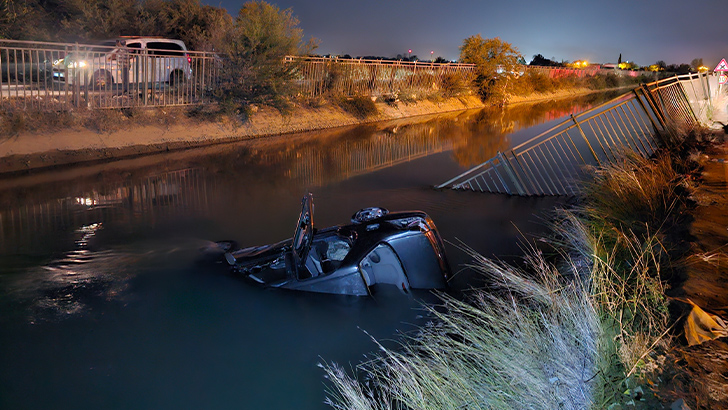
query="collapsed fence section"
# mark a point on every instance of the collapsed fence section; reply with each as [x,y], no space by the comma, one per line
[552,162]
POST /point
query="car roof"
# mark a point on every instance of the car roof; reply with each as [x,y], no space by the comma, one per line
[144,40]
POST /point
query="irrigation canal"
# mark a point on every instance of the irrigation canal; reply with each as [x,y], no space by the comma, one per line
[104,302]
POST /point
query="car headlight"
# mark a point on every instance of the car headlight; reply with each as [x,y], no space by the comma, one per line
[77,64]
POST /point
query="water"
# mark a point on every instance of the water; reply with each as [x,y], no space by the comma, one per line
[105,301]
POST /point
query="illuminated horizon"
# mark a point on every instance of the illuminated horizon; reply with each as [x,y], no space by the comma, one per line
[642,32]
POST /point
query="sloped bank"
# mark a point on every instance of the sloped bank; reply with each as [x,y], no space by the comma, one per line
[172,129]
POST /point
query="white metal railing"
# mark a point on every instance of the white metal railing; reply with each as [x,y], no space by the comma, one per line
[58,76]
[552,162]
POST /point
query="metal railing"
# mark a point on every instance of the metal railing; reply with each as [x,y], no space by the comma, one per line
[318,75]
[554,161]
[60,76]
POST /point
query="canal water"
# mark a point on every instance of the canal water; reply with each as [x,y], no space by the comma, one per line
[107,303]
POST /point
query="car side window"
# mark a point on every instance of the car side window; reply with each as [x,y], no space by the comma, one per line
[160,48]
[134,48]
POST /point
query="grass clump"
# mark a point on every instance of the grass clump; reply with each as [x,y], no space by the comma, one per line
[360,106]
[635,196]
[629,297]
[526,342]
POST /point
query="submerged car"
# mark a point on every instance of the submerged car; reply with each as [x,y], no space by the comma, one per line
[378,248]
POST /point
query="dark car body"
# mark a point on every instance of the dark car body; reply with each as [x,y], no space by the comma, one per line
[401,249]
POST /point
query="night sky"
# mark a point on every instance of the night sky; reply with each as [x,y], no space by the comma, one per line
[642,31]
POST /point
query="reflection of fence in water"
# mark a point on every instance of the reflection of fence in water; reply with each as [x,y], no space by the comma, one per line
[315,167]
[150,200]
[552,162]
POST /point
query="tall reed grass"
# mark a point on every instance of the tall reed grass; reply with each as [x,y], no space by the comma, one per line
[525,342]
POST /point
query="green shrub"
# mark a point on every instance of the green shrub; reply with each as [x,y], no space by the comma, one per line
[453,85]
[359,106]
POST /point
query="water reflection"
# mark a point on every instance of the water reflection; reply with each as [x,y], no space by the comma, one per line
[49,220]
[101,286]
[146,190]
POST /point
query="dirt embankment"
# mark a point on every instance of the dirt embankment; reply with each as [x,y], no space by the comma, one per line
[170,129]
[702,370]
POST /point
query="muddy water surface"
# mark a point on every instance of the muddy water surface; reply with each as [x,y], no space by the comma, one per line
[105,302]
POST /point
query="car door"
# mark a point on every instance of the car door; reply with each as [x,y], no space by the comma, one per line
[168,58]
[134,69]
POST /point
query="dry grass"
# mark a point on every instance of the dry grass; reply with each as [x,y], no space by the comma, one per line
[526,342]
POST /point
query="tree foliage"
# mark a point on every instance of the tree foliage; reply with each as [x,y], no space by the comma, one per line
[262,36]
[201,27]
[540,60]
[495,60]
[696,64]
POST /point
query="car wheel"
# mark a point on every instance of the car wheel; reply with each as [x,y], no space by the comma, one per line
[102,80]
[176,78]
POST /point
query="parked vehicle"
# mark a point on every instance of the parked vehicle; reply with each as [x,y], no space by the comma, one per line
[143,60]
[378,248]
[24,69]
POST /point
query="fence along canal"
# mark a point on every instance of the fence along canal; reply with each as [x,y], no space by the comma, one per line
[552,162]
[61,76]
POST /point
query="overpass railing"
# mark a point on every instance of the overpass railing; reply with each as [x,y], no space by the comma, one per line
[553,162]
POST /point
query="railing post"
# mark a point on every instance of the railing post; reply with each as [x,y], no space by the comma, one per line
[500,178]
[578,126]
[511,174]
[707,86]
[642,104]
[76,79]
[687,101]
[659,114]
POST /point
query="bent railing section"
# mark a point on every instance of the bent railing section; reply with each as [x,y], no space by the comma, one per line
[552,162]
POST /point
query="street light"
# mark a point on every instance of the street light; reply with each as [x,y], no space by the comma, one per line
[432,53]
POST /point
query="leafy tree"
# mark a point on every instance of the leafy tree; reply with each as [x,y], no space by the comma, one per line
[254,72]
[541,61]
[201,27]
[30,19]
[495,61]
[696,63]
